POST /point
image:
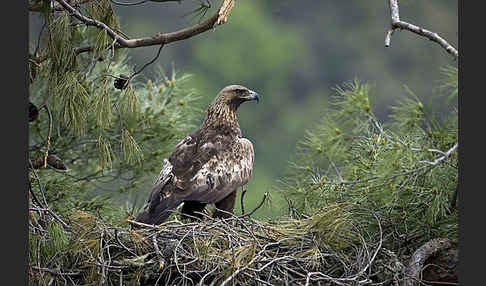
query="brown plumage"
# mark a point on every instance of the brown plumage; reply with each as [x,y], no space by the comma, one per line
[207,166]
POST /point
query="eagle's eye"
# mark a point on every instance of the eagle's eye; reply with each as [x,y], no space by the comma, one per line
[240,91]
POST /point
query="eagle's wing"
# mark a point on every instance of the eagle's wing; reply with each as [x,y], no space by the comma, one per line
[204,172]
[222,174]
[166,195]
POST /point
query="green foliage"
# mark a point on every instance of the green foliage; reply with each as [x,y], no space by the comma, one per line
[112,141]
[399,172]
[292,53]
[74,100]
[351,178]
[56,244]
[450,84]
[130,149]
[60,49]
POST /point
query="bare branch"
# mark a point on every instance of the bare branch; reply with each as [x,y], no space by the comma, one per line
[243,192]
[48,134]
[218,18]
[157,250]
[141,2]
[55,271]
[445,155]
[149,63]
[54,215]
[36,6]
[396,23]
[420,256]
[265,195]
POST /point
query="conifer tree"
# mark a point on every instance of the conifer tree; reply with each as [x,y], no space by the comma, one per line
[395,181]
[94,124]
[362,194]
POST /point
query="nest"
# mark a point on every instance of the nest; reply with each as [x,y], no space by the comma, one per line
[232,251]
[327,248]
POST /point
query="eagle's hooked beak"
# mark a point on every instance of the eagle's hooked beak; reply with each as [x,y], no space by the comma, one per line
[253,96]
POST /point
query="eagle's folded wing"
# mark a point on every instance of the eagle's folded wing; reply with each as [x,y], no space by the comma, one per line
[222,174]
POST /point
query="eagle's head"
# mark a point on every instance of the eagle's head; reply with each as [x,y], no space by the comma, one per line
[222,111]
[234,95]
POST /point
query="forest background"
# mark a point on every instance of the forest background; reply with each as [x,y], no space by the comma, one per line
[293,54]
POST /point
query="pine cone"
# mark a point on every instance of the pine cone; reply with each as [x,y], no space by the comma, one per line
[56,162]
[33,112]
[121,81]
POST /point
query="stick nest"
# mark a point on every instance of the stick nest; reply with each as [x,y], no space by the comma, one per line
[324,249]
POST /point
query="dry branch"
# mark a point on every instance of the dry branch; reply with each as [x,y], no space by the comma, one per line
[45,204]
[265,195]
[420,256]
[396,23]
[158,39]
[141,2]
[242,202]
[37,5]
[211,252]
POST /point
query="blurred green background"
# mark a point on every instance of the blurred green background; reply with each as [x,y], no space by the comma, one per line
[293,53]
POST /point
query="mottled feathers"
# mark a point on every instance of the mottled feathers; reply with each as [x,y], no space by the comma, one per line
[207,166]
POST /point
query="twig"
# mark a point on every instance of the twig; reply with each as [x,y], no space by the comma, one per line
[205,275]
[445,155]
[265,195]
[141,2]
[121,244]
[157,250]
[39,38]
[243,192]
[102,260]
[145,65]
[44,198]
[132,4]
[141,224]
[396,23]
[55,271]
[48,134]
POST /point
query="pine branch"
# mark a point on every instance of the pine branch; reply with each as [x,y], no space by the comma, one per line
[396,23]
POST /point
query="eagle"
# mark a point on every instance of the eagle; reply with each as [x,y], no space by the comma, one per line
[207,166]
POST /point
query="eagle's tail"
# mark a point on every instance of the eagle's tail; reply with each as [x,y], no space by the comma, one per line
[159,207]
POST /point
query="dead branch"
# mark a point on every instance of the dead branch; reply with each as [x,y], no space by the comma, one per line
[218,18]
[141,2]
[445,155]
[49,133]
[420,256]
[37,5]
[157,250]
[396,23]
[265,195]
[46,206]
[55,271]
[243,192]
[145,65]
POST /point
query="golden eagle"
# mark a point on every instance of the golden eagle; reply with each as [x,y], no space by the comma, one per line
[207,166]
